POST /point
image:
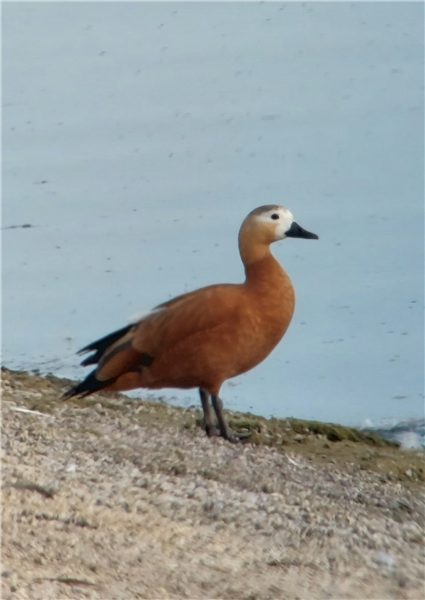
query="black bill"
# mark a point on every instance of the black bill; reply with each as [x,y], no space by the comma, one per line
[296,231]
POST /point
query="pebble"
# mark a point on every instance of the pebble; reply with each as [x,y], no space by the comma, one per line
[382,558]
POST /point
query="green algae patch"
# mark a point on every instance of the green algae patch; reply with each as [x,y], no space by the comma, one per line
[275,430]
[338,433]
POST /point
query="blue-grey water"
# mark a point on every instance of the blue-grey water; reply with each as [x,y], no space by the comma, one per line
[137,136]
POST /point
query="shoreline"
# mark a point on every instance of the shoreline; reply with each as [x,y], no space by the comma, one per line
[113,496]
[346,446]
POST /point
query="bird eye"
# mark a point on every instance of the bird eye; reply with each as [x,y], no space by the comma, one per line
[275,216]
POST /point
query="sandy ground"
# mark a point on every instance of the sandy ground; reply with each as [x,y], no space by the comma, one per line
[122,499]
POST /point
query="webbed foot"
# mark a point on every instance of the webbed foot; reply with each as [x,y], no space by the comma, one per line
[233,437]
[212,431]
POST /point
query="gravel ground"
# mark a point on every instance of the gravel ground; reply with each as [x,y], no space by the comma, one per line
[108,501]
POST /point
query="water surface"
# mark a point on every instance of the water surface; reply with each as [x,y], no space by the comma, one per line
[137,136]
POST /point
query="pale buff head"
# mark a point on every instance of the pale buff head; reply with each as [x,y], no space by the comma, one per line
[271,223]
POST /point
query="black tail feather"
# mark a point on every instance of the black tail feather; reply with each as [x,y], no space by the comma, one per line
[100,346]
[93,359]
[90,385]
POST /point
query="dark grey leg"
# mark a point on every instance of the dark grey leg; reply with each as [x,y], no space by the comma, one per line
[225,430]
[210,428]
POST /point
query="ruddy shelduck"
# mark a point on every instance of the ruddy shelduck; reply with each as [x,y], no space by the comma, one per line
[201,339]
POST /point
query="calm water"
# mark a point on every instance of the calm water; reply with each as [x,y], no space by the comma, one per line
[137,136]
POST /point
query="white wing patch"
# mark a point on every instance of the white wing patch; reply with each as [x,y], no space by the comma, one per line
[142,316]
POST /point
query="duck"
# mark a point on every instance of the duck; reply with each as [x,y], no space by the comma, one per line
[203,338]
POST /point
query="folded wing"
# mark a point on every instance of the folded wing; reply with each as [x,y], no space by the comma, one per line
[136,346]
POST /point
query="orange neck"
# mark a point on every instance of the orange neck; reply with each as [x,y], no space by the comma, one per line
[265,272]
[252,247]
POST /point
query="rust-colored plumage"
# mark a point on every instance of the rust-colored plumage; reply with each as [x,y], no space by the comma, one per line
[205,337]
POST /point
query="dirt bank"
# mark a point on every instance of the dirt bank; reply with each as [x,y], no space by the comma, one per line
[113,497]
